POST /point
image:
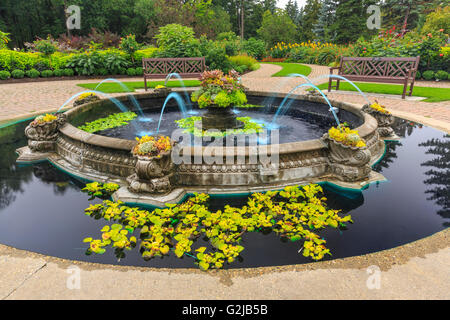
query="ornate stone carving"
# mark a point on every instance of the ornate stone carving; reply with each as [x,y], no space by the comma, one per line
[348,163]
[385,121]
[163,91]
[42,136]
[153,174]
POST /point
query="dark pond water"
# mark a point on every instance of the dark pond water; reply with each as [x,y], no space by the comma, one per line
[302,120]
[42,209]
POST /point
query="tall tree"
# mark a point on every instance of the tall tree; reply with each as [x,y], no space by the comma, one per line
[277,27]
[309,18]
[293,11]
[322,29]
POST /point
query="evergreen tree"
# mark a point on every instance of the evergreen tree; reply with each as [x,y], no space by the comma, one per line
[325,20]
[293,11]
[309,17]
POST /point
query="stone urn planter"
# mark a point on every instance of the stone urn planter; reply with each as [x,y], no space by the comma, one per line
[153,174]
[163,91]
[348,163]
[385,121]
[220,118]
[42,135]
[88,99]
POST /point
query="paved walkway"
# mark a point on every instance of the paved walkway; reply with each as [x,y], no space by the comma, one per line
[418,270]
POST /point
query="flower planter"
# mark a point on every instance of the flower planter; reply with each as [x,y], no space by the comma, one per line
[220,118]
[163,91]
[42,136]
[385,121]
[152,174]
[88,99]
[348,163]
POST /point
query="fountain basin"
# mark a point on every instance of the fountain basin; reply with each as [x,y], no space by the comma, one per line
[236,169]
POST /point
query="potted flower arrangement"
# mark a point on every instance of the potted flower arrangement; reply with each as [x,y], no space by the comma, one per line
[154,165]
[348,154]
[42,132]
[160,89]
[383,116]
[85,98]
[218,93]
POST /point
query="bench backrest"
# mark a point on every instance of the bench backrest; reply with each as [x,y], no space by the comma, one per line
[161,67]
[379,66]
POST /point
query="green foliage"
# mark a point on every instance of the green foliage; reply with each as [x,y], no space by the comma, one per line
[131,72]
[112,121]
[114,63]
[277,27]
[47,74]
[4,40]
[428,75]
[68,72]
[295,213]
[45,46]
[250,127]
[129,45]
[255,48]
[175,40]
[100,190]
[18,74]
[437,20]
[243,60]
[58,73]
[5,75]
[33,73]
[85,63]
[442,75]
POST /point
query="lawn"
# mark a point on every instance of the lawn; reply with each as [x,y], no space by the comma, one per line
[289,68]
[112,87]
[432,94]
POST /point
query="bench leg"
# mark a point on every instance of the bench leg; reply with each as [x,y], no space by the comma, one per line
[411,89]
[145,83]
[338,82]
[330,81]
[405,87]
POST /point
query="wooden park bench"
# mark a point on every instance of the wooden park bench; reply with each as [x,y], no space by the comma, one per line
[159,68]
[386,70]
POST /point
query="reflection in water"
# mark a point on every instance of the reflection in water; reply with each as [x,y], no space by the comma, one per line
[11,177]
[50,175]
[439,175]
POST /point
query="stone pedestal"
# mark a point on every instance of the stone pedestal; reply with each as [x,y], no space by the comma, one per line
[349,164]
[220,118]
[385,122]
[153,174]
[42,136]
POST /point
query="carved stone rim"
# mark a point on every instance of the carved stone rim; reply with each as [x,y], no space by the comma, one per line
[369,126]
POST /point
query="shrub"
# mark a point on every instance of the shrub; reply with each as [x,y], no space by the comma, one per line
[144,53]
[227,36]
[418,75]
[131,72]
[102,72]
[122,71]
[437,20]
[244,63]
[33,73]
[441,75]
[139,71]
[175,40]
[85,63]
[428,75]
[47,47]
[255,48]
[18,74]
[68,72]
[129,45]
[5,75]
[47,74]
[114,63]
[58,73]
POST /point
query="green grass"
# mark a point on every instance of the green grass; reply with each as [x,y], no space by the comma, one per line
[112,87]
[289,68]
[432,94]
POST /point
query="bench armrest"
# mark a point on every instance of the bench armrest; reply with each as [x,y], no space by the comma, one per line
[334,68]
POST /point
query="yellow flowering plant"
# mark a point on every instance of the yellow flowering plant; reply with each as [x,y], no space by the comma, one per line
[378,107]
[44,119]
[346,136]
[151,146]
[86,95]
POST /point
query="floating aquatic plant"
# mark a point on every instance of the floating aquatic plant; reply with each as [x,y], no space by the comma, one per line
[113,121]
[250,127]
[100,190]
[294,213]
